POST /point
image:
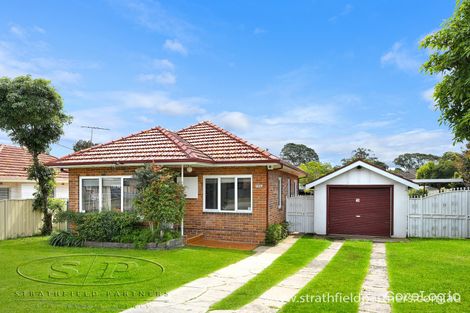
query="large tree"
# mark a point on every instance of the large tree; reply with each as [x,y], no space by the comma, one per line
[31,113]
[298,154]
[365,155]
[450,58]
[314,170]
[83,144]
[446,167]
[412,161]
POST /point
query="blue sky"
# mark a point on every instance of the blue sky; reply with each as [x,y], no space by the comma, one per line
[333,75]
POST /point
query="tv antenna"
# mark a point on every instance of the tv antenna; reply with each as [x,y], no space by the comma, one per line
[92,128]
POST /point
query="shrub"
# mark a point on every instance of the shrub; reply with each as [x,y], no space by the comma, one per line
[417,192]
[65,239]
[276,232]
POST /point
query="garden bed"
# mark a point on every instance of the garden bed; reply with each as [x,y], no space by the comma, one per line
[170,244]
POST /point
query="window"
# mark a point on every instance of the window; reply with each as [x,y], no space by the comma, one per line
[231,194]
[279,192]
[107,193]
[288,188]
[4,193]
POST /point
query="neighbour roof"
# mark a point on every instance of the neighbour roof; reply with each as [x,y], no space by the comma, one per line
[15,160]
[366,165]
[204,142]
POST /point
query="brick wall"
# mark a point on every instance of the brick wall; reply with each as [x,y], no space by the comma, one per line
[276,214]
[242,227]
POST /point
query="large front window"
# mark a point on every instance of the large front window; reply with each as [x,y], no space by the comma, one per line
[228,194]
[109,193]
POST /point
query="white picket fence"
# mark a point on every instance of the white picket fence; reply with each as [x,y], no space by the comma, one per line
[299,213]
[442,215]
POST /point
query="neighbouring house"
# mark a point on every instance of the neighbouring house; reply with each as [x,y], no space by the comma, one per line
[361,199]
[234,189]
[14,182]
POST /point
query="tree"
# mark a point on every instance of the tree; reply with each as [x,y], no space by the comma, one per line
[160,199]
[450,58]
[314,170]
[31,113]
[446,167]
[83,144]
[298,154]
[410,162]
[464,165]
[365,155]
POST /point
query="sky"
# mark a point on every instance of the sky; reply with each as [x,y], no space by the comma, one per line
[333,75]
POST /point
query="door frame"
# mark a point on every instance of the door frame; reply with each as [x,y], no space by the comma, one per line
[328,187]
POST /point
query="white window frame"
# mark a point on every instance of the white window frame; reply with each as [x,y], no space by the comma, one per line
[279,192]
[100,190]
[219,196]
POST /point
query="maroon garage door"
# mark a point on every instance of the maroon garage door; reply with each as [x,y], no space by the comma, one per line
[360,210]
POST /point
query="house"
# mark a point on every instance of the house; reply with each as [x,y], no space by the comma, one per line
[234,189]
[14,182]
[361,199]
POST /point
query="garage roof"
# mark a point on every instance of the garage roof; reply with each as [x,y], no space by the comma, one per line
[366,165]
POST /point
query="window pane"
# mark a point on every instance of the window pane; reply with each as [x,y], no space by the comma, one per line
[111,194]
[4,193]
[227,194]
[211,194]
[90,194]
[244,193]
[129,193]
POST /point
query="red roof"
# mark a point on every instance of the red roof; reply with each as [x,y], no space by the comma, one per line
[15,160]
[203,143]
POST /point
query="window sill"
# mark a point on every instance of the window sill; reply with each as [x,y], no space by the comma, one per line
[227,212]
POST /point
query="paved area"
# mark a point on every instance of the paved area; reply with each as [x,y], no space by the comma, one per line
[276,297]
[200,294]
[375,288]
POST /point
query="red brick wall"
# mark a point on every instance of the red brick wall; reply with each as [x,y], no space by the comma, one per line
[243,227]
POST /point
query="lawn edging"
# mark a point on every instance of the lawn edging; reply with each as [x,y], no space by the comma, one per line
[167,245]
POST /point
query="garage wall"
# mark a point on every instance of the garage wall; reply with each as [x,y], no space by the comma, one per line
[363,176]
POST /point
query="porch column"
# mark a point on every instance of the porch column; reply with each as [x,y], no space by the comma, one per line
[182,218]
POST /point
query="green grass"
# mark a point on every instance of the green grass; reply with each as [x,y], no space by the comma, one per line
[299,255]
[18,294]
[344,275]
[431,266]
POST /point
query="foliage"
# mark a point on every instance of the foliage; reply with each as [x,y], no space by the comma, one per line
[464,165]
[450,59]
[56,206]
[314,170]
[162,200]
[298,154]
[65,239]
[144,176]
[275,233]
[365,155]
[31,113]
[445,168]
[83,144]
[418,192]
[412,161]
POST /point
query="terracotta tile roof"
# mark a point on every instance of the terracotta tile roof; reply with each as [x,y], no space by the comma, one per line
[222,145]
[15,160]
[204,142]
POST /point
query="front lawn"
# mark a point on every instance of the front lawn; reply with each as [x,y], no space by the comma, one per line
[299,255]
[430,266]
[342,277]
[19,294]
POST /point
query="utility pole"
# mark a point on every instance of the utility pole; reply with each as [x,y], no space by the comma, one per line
[93,128]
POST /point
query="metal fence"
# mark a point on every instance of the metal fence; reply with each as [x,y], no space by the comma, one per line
[17,219]
[299,213]
[442,215]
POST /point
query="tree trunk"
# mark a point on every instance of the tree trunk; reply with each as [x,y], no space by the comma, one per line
[42,197]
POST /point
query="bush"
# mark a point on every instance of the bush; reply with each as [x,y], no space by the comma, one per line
[65,239]
[275,233]
[418,192]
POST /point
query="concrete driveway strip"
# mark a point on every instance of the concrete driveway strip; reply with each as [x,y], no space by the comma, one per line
[276,297]
[200,294]
[375,288]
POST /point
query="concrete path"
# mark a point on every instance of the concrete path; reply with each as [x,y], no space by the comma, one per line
[200,294]
[375,288]
[276,297]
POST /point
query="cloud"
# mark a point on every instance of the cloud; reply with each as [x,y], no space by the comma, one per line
[17,31]
[312,114]
[165,78]
[163,64]
[347,9]
[175,46]
[402,58]
[232,120]
[427,96]
[259,31]
[377,123]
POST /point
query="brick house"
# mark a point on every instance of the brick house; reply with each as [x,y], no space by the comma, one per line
[234,189]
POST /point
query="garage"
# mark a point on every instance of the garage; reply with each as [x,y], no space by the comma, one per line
[360,210]
[361,199]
